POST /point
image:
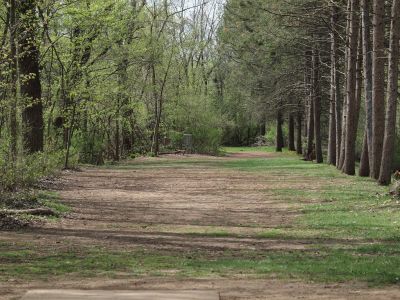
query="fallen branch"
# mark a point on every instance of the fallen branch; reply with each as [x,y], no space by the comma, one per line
[176,152]
[34,212]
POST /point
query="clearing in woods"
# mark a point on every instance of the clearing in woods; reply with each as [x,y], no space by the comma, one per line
[252,225]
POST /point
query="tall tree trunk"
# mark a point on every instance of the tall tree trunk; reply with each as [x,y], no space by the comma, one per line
[31,89]
[367,62]
[291,133]
[310,131]
[70,136]
[364,161]
[332,143]
[155,147]
[342,145]
[316,86]
[310,112]
[279,131]
[299,143]
[263,126]
[393,77]
[359,80]
[117,133]
[351,90]
[13,79]
[339,116]
[378,91]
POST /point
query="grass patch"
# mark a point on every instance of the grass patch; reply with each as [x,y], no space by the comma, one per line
[52,201]
[247,149]
[372,264]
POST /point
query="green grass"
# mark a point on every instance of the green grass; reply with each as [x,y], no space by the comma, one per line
[33,199]
[351,229]
[376,265]
[51,200]
[247,149]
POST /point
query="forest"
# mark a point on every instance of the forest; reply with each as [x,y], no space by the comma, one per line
[119,97]
[89,81]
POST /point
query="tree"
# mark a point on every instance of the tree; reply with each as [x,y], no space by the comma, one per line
[31,89]
[299,142]
[351,88]
[316,90]
[311,107]
[392,98]
[367,152]
[334,125]
[291,125]
[279,132]
[378,88]
[13,80]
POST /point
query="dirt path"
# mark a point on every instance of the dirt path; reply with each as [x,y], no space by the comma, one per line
[178,208]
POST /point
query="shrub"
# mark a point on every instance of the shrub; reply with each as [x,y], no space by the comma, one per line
[28,169]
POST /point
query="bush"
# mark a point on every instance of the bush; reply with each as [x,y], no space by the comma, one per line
[176,140]
[207,140]
[28,169]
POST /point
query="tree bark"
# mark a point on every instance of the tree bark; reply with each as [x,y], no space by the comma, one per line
[393,77]
[291,133]
[13,79]
[316,86]
[332,142]
[117,133]
[31,89]
[359,80]
[378,90]
[155,148]
[263,126]
[310,113]
[342,148]
[299,143]
[279,132]
[351,91]
[367,63]
[364,170]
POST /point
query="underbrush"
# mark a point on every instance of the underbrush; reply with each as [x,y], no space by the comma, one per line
[19,181]
[15,208]
[27,170]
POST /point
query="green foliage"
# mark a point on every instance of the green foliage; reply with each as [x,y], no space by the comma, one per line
[28,169]
[271,133]
[198,116]
[176,139]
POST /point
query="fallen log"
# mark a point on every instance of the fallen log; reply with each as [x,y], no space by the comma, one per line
[182,152]
[176,152]
[46,212]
